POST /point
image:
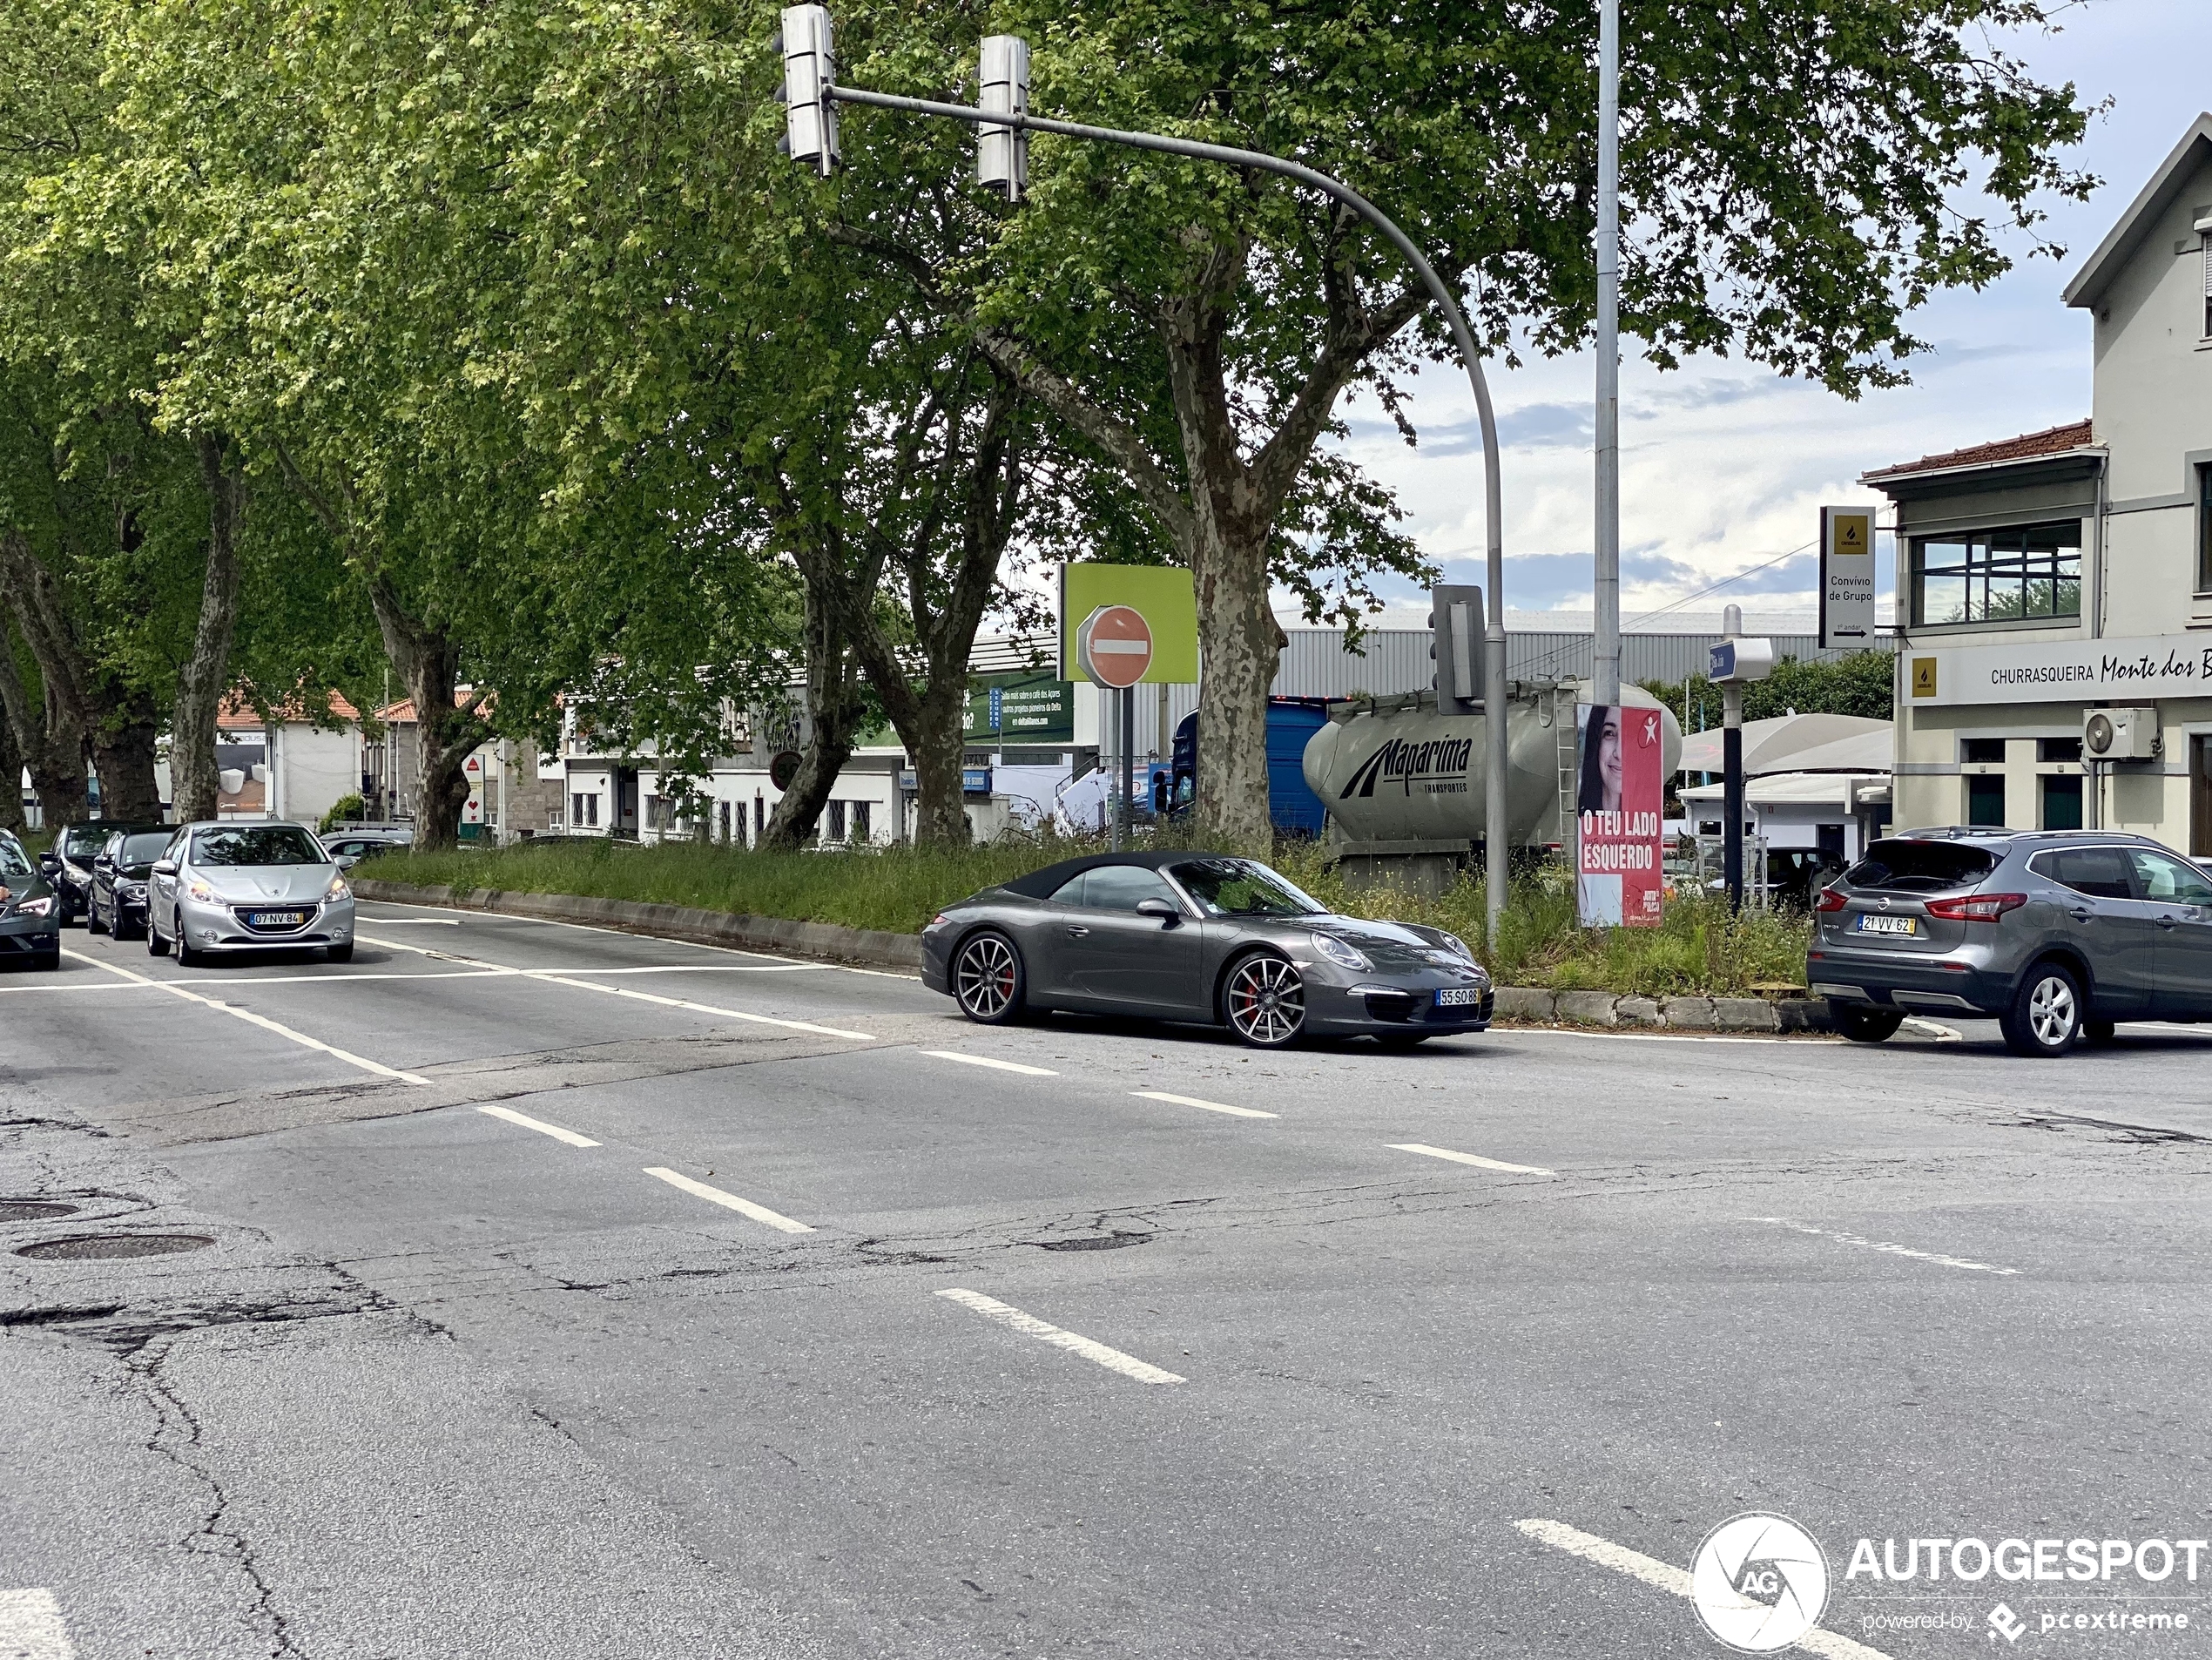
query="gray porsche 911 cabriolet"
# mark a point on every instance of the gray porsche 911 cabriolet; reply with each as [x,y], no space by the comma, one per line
[1192,936]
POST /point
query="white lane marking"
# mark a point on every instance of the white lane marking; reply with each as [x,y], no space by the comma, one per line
[995,1065]
[562,978]
[262,1020]
[32,1627]
[416,921]
[1475,1159]
[1210,1106]
[540,1125]
[1861,1240]
[743,1207]
[1666,1577]
[1113,1359]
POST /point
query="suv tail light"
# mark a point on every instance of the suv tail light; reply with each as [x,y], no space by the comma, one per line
[1830,899]
[1976,907]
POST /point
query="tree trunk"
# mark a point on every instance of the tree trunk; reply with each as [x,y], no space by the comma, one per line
[447,730]
[832,709]
[123,754]
[940,752]
[50,745]
[205,676]
[11,812]
[1243,645]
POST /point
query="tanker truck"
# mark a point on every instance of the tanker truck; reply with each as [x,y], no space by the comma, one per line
[1403,785]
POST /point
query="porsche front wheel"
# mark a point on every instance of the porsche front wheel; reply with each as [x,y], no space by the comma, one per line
[988,980]
[1263,1001]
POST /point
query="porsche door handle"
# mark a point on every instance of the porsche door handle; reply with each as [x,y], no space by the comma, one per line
[1077,931]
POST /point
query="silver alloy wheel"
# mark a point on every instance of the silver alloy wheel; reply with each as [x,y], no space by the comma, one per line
[985,977]
[1265,998]
[2051,1012]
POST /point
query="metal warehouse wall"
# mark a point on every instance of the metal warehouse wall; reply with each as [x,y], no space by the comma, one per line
[1315,664]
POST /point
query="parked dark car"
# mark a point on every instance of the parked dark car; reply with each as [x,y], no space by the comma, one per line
[68,863]
[117,904]
[2054,933]
[30,917]
[1199,937]
[348,847]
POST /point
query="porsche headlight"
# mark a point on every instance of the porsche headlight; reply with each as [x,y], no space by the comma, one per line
[1453,942]
[1340,952]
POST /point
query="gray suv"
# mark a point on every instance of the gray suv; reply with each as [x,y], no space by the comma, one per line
[2057,934]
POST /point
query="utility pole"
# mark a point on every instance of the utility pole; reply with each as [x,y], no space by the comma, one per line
[1605,677]
[1732,771]
[811,97]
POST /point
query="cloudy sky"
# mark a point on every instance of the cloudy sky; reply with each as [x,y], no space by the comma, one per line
[1725,465]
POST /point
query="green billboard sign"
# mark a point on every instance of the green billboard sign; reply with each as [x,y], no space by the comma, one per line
[1030,707]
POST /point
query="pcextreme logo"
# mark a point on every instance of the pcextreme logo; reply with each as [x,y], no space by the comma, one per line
[1759,1582]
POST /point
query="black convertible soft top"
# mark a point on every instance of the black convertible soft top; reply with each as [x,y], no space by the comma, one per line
[1043,884]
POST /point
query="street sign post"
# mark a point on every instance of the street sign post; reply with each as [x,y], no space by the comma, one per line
[1732,662]
[1114,650]
[1846,576]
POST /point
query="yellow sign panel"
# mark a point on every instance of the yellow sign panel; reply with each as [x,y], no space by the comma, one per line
[1162,595]
[1923,677]
[1855,533]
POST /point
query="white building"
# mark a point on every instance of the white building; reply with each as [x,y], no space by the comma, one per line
[2046,578]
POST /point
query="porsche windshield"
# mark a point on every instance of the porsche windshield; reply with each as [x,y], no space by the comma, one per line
[1240,887]
[261,844]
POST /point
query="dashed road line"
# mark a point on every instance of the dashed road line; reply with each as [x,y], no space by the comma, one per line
[1475,1159]
[1113,1359]
[252,1019]
[1666,1577]
[1885,1246]
[729,1201]
[540,1125]
[32,1627]
[995,1064]
[1209,1106]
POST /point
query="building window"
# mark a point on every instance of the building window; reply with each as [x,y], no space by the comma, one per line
[1982,751]
[1985,798]
[2058,749]
[2204,518]
[584,809]
[2008,576]
[2062,801]
[860,821]
[837,822]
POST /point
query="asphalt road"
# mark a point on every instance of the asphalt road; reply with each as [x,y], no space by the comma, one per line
[574,1294]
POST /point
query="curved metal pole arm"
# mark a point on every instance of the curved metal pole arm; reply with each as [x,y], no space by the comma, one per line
[1494,710]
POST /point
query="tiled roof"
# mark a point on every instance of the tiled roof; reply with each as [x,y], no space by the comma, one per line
[235,714]
[2052,440]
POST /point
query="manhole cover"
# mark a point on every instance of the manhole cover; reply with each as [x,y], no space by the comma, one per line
[1094,1242]
[34,1209]
[86,1247]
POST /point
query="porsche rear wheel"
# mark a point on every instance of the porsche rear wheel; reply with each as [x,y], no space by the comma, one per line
[988,980]
[1263,1001]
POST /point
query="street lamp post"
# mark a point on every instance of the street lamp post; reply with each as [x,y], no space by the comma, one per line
[812,93]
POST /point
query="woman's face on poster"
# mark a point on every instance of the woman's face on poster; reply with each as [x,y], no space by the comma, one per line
[1608,759]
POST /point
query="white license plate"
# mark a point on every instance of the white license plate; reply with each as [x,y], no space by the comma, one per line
[1869,924]
[275,919]
[1456,996]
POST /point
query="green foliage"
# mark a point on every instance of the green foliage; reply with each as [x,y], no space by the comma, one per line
[1860,683]
[345,809]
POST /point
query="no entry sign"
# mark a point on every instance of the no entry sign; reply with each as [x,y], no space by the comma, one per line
[1113,646]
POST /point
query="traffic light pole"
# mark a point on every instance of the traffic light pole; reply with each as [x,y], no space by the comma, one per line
[1494,852]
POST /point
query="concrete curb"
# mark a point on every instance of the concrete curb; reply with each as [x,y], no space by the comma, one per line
[877,948]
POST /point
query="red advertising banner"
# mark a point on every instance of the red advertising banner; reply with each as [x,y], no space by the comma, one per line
[1616,844]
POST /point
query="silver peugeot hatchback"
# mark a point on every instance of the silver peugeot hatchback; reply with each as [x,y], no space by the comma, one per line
[238,886]
[2056,935]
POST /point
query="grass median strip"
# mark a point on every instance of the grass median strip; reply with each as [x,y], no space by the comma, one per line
[729,1201]
[1206,1106]
[995,1064]
[1475,1159]
[1666,1577]
[540,1125]
[1113,1359]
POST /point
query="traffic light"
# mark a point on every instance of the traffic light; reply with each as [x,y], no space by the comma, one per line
[1002,153]
[1456,642]
[810,77]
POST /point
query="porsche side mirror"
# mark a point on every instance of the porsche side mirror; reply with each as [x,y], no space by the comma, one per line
[165,867]
[1160,908]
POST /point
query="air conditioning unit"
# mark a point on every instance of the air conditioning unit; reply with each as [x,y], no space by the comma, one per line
[2120,735]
